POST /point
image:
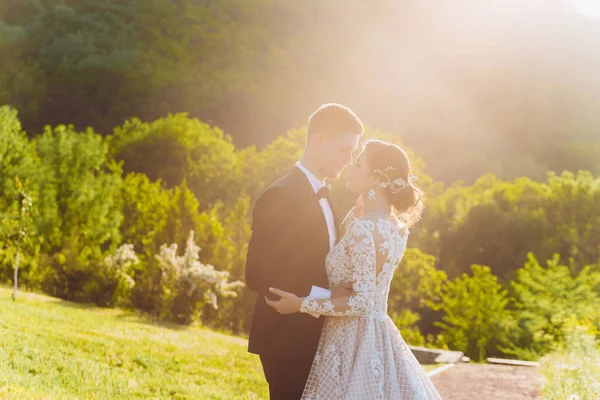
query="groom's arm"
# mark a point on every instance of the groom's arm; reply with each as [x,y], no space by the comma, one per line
[269,242]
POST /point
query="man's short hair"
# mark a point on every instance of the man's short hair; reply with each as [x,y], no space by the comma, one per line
[333,119]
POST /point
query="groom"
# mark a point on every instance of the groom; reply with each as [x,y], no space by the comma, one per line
[294,227]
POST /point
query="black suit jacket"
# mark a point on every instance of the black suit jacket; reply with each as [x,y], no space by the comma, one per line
[287,251]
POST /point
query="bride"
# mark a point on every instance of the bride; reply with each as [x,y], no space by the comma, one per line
[361,354]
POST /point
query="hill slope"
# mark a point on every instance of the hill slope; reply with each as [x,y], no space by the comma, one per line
[53,349]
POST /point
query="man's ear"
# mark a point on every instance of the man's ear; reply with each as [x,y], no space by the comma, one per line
[312,142]
[318,140]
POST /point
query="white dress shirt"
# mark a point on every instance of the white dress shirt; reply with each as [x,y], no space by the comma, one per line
[325,207]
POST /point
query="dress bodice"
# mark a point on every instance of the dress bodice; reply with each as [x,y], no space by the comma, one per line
[381,242]
[366,257]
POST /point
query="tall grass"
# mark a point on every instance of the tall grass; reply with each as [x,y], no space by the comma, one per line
[574,372]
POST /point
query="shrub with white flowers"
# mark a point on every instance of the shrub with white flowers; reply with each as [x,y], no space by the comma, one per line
[117,275]
[120,264]
[188,284]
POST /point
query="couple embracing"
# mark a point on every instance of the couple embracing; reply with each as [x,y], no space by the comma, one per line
[320,324]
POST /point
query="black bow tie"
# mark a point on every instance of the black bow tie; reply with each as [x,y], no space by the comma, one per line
[323,193]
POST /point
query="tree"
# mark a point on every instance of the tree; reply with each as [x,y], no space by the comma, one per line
[81,191]
[258,169]
[145,206]
[474,313]
[544,300]
[70,60]
[497,223]
[20,183]
[177,149]
[21,226]
[414,291]
[235,313]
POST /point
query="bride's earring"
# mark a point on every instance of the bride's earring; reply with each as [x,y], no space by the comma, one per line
[372,194]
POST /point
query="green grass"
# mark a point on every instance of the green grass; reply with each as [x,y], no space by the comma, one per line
[574,373]
[52,349]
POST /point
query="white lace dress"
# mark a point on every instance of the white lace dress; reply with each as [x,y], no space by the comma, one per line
[361,354]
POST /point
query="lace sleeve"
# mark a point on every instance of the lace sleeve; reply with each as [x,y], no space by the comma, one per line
[362,257]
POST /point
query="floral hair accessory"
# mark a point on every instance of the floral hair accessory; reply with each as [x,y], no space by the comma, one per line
[395,185]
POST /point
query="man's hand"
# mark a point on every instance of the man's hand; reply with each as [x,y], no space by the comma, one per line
[345,289]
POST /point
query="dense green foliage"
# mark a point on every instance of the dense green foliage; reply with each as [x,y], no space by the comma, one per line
[474,312]
[110,223]
[509,88]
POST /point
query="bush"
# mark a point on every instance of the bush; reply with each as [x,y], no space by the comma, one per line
[544,299]
[474,313]
[187,284]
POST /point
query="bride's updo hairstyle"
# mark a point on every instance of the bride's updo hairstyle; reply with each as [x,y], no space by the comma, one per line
[391,164]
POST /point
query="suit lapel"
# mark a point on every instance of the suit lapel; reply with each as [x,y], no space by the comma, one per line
[307,196]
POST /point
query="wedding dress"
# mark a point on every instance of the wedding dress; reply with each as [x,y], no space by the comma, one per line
[361,354]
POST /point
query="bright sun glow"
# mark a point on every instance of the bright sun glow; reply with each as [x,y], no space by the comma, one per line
[590,8]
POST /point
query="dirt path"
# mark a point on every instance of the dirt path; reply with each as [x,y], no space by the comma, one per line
[488,382]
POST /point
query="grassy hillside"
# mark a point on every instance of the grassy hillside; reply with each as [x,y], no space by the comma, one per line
[52,349]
